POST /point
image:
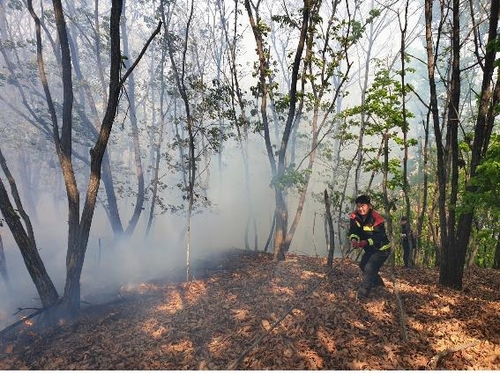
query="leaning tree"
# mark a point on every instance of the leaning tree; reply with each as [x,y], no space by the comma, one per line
[79,218]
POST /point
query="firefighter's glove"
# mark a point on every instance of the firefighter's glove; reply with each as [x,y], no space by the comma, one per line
[360,244]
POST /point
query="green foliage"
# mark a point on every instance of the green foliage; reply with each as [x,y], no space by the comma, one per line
[282,103]
[263,28]
[285,20]
[15,5]
[483,198]
[464,146]
[485,241]
[397,174]
[291,177]
[374,13]
[214,105]
[486,182]
[383,116]
[494,45]
[383,103]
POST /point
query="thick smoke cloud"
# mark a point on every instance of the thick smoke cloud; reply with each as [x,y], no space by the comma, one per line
[108,266]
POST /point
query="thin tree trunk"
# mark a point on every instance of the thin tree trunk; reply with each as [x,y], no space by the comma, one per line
[107,177]
[496,259]
[270,236]
[281,217]
[404,125]
[179,74]
[3,264]
[139,197]
[29,189]
[425,189]
[242,131]
[451,269]
[278,168]
[157,148]
[25,238]
[303,192]
[331,233]
[385,179]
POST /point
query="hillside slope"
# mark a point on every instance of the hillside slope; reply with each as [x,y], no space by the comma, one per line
[244,311]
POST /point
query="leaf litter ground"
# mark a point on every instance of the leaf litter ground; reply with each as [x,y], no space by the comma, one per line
[244,311]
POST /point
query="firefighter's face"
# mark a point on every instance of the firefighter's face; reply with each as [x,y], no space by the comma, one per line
[363,209]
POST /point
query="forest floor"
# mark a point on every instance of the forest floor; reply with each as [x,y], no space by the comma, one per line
[244,311]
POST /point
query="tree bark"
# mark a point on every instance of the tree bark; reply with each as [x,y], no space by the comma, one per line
[155,180]
[25,238]
[434,110]
[496,259]
[3,263]
[331,233]
[489,100]
[107,176]
[404,126]
[278,167]
[451,270]
[425,190]
[179,73]
[139,201]
[452,267]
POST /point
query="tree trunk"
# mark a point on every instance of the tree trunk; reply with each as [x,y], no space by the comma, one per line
[449,271]
[179,73]
[452,266]
[107,176]
[471,256]
[279,167]
[77,244]
[281,217]
[112,207]
[25,239]
[29,188]
[317,124]
[3,263]
[270,236]
[434,110]
[404,126]
[241,119]
[331,233]
[78,229]
[485,120]
[385,178]
[496,259]
[302,197]
[425,190]
[155,180]
[139,201]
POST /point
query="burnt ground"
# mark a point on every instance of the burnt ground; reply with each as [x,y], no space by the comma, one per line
[244,311]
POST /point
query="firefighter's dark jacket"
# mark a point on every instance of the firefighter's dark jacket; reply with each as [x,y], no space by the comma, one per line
[371,229]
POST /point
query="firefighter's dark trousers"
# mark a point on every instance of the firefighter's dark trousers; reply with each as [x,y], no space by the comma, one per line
[406,253]
[371,262]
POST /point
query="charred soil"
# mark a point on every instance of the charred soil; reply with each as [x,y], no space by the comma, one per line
[244,311]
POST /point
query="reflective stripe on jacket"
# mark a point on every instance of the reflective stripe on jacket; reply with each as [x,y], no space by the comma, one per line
[371,229]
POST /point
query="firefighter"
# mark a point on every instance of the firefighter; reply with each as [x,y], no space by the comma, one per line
[367,231]
[407,241]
